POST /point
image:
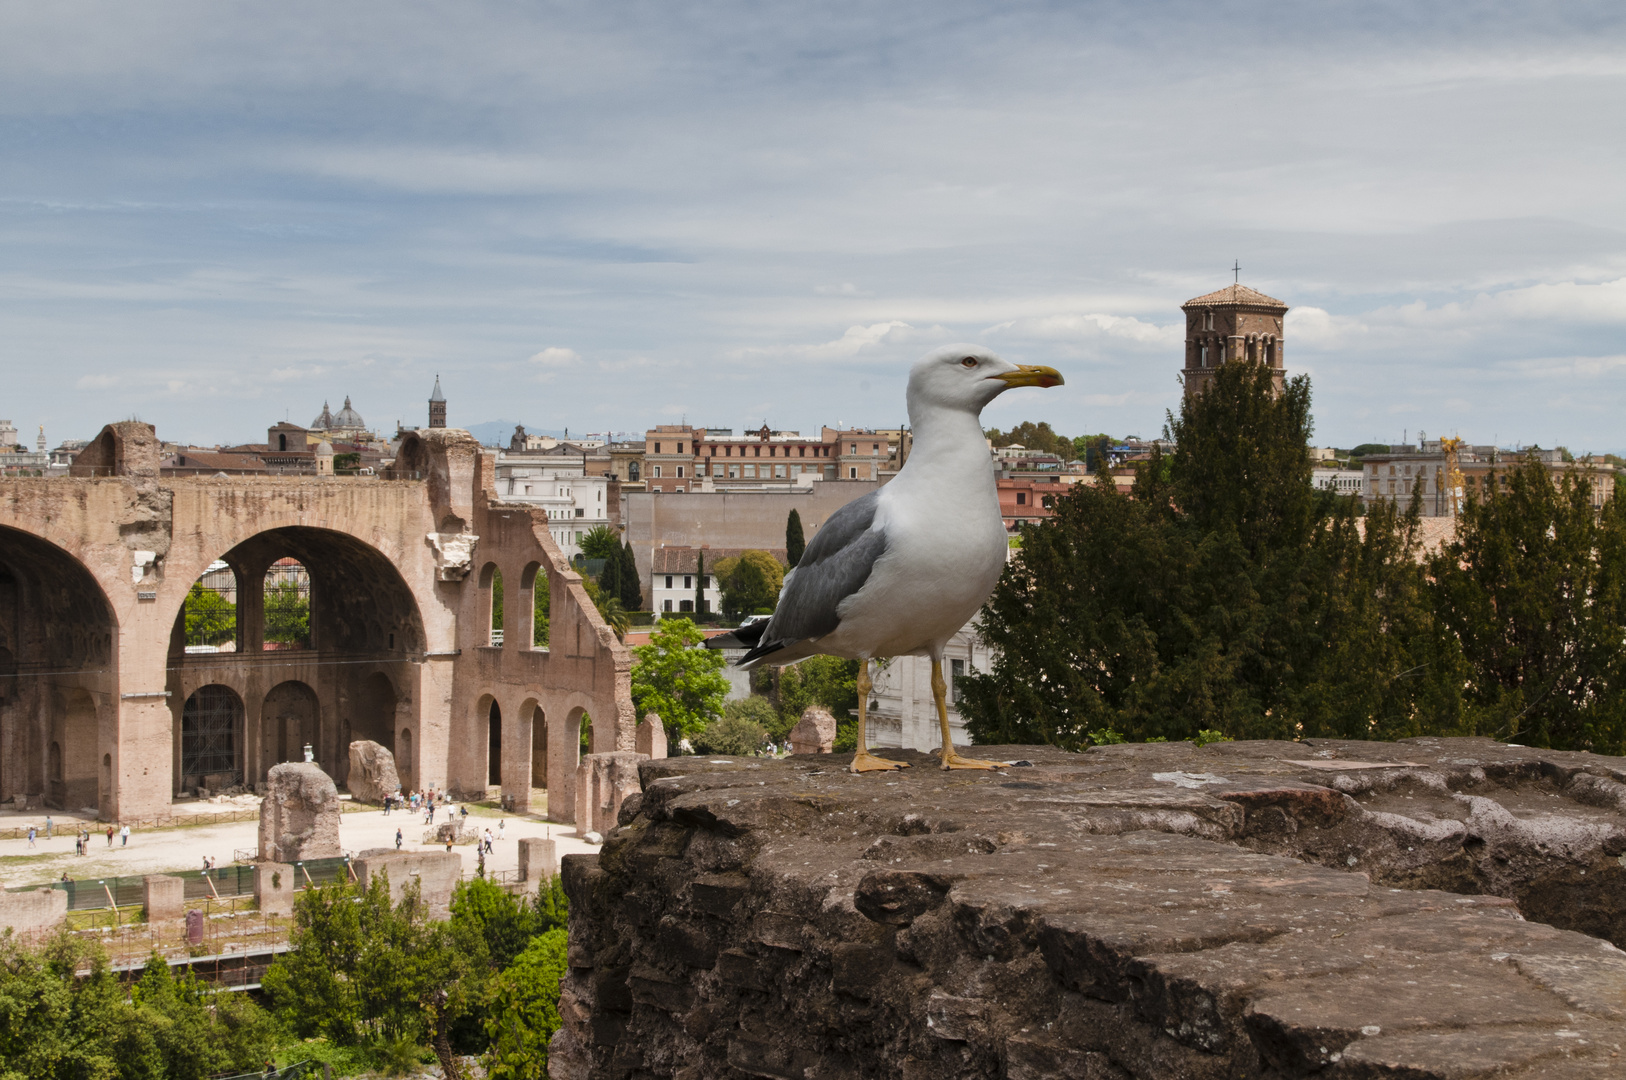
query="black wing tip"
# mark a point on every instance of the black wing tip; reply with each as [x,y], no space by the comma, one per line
[759,652]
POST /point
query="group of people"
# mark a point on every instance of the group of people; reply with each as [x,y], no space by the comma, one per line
[81,838]
[416,801]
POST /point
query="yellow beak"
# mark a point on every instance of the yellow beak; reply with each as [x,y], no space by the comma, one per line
[1031,375]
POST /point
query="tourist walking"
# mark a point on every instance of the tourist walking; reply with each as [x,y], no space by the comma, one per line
[397,839]
[501,822]
[124,836]
[110,832]
[47,826]
[31,832]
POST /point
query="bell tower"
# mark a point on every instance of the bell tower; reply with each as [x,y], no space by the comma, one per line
[437,406]
[1235,323]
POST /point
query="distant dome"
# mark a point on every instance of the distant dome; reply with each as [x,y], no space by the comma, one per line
[324,421]
[348,417]
[324,449]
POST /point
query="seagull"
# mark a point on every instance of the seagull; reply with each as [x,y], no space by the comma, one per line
[899,571]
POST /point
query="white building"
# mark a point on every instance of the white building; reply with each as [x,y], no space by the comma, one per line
[575,502]
[1343,481]
[902,711]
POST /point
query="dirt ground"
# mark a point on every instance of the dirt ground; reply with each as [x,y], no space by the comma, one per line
[182,847]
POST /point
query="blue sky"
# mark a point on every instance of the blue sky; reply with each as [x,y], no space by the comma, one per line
[618,214]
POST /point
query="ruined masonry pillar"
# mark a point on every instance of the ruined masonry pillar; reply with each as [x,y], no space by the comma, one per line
[538,862]
[515,766]
[163,896]
[274,888]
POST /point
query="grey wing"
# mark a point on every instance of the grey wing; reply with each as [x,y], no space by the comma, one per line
[834,566]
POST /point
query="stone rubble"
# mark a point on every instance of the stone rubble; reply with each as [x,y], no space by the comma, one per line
[299,816]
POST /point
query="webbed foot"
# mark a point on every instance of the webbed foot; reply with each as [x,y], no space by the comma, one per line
[952,760]
[868,762]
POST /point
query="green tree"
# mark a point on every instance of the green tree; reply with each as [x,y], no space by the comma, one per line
[496,600]
[1032,436]
[1534,586]
[347,464]
[795,544]
[211,619]
[524,1011]
[601,542]
[700,584]
[541,607]
[678,678]
[632,593]
[1226,595]
[287,614]
[758,710]
[828,681]
[750,583]
[55,1022]
[731,734]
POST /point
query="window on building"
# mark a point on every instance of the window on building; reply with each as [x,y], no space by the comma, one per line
[685,605]
[829,472]
[778,471]
[1021,498]
[680,448]
[801,451]
[728,451]
[581,511]
[668,581]
[680,471]
[733,472]
[632,472]
[657,448]
[852,472]
[756,451]
[875,448]
[751,471]
[688,581]
[853,449]
[705,581]
[655,471]
[666,605]
[956,670]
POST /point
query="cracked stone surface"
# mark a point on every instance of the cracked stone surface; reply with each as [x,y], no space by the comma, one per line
[1429,908]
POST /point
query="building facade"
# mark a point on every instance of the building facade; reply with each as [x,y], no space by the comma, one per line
[902,710]
[1406,470]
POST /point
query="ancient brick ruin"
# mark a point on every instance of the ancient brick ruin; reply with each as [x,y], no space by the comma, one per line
[1431,908]
[104,703]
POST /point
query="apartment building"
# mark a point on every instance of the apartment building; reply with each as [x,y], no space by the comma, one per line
[1395,476]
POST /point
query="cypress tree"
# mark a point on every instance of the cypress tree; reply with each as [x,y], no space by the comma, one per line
[794,543]
[632,593]
[700,583]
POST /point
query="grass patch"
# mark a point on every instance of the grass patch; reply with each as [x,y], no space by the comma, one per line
[18,860]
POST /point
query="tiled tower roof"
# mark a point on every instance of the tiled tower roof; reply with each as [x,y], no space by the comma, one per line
[1235,294]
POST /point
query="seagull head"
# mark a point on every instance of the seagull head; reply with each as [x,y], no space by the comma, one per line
[968,377]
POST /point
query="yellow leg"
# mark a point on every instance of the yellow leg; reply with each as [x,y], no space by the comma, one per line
[952,760]
[863,760]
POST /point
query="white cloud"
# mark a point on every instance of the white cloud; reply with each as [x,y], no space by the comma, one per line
[555,357]
[95,382]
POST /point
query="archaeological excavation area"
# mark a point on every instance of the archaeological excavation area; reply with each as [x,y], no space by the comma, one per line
[1446,908]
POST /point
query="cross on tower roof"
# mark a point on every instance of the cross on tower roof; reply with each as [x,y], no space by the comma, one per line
[1236,271]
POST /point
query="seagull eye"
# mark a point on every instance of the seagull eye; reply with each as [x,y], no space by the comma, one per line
[970,362]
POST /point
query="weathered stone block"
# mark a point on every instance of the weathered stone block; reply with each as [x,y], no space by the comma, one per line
[652,737]
[435,872]
[602,782]
[299,818]
[814,733]
[163,897]
[538,861]
[33,911]
[372,773]
[274,887]
[1129,913]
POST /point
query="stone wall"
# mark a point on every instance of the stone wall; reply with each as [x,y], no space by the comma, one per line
[1433,908]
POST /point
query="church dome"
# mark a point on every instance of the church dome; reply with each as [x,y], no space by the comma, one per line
[324,449]
[324,420]
[348,417]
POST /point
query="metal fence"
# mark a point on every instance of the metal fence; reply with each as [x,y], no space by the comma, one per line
[218,884]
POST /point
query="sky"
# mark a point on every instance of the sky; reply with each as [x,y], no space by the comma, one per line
[605,216]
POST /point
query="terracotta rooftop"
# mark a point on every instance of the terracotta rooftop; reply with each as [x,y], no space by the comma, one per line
[1235,294]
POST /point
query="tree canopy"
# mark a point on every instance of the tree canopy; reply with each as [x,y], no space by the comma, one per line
[678,678]
[795,543]
[1034,436]
[750,583]
[1227,594]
